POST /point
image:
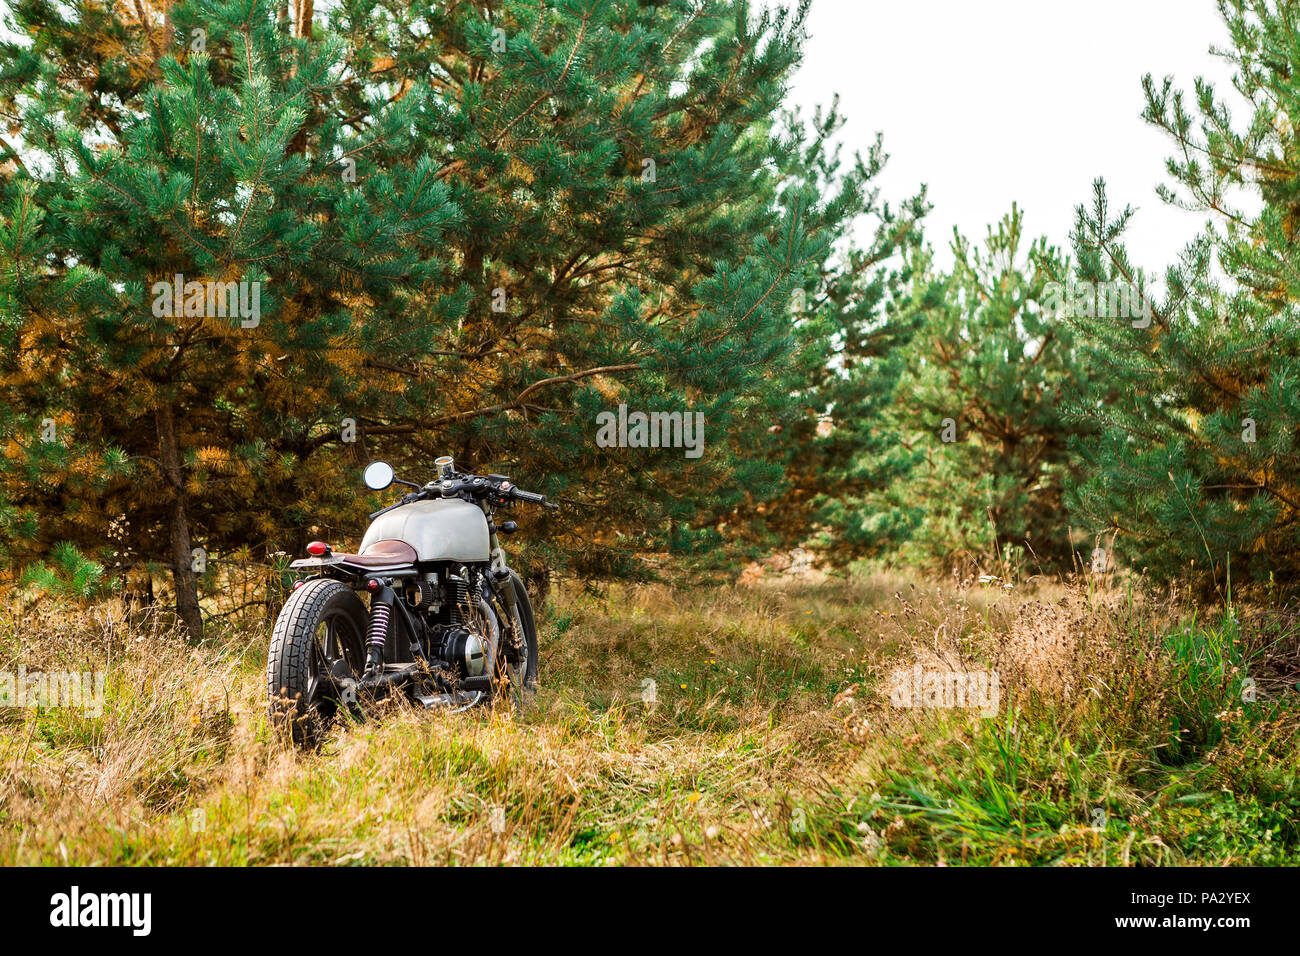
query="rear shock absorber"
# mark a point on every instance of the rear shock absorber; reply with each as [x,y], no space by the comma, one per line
[381,609]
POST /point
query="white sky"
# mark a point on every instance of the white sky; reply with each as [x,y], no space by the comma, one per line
[993,101]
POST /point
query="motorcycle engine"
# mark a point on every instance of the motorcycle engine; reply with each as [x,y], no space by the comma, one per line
[464,637]
[464,651]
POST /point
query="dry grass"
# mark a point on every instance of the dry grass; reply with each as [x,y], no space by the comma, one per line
[771,738]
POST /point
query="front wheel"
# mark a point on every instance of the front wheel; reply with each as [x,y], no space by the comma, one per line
[318,642]
[517,672]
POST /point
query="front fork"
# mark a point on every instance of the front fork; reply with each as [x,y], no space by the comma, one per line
[504,587]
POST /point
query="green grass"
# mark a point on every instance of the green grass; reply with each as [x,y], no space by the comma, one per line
[1121,738]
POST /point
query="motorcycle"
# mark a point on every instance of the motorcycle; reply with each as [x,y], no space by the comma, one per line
[446,621]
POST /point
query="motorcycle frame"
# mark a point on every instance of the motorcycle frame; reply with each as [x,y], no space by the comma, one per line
[403,650]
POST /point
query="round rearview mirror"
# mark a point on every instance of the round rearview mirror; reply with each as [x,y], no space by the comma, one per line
[379,475]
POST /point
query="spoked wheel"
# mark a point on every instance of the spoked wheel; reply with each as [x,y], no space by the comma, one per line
[318,643]
[517,672]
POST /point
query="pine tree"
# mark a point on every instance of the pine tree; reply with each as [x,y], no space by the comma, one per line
[1196,465]
[143,403]
[982,405]
[632,234]
[853,314]
[949,440]
[472,229]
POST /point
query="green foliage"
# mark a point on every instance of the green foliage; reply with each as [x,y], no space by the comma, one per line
[1192,770]
[70,575]
[159,422]
[852,316]
[970,444]
[1196,464]
[473,229]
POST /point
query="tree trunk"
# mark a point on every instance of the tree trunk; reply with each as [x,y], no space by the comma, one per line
[187,586]
[304,10]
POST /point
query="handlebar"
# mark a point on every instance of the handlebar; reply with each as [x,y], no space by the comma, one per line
[499,487]
[507,489]
[532,497]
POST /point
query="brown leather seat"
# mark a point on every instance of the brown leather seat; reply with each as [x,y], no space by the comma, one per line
[383,554]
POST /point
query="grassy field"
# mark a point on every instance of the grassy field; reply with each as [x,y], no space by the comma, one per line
[1120,737]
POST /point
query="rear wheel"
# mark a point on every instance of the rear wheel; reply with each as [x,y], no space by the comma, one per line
[318,642]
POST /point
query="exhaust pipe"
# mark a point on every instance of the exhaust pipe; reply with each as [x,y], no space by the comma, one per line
[387,679]
[437,701]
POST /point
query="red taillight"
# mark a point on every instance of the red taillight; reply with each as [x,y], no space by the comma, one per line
[298,584]
[318,548]
[373,585]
